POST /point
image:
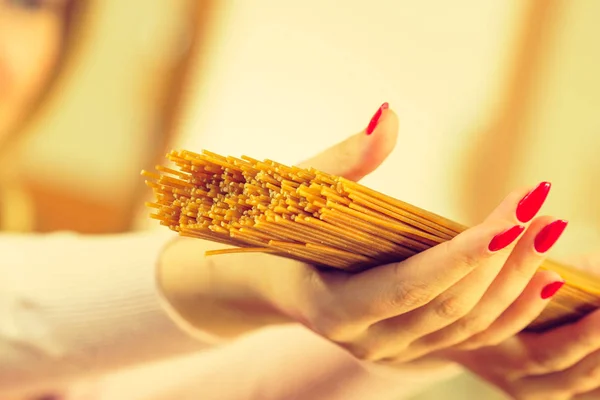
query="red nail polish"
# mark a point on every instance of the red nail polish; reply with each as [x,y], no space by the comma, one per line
[550,289]
[505,238]
[549,235]
[375,119]
[530,204]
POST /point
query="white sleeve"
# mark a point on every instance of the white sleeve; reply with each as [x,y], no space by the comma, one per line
[72,305]
[279,362]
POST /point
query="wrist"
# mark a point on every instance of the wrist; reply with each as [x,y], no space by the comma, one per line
[221,295]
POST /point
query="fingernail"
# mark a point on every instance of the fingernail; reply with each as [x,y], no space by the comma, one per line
[530,204]
[505,238]
[375,119]
[549,235]
[550,289]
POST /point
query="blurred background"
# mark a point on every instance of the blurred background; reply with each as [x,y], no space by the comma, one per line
[490,95]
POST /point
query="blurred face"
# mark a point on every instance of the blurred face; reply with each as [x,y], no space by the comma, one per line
[31,36]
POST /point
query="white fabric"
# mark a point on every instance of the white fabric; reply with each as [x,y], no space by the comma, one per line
[444,93]
[73,307]
[69,304]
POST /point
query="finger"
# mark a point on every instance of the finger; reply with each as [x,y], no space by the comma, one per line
[399,288]
[578,379]
[489,252]
[362,153]
[562,347]
[528,306]
[365,300]
[433,289]
[505,288]
[523,204]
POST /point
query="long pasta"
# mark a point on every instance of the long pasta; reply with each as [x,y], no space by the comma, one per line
[314,217]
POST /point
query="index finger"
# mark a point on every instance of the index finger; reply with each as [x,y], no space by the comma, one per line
[401,287]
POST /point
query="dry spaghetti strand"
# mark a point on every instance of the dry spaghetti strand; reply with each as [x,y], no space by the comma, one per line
[313,217]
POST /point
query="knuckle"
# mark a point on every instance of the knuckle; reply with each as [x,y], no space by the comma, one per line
[524,271]
[464,255]
[469,260]
[451,308]
[410,295]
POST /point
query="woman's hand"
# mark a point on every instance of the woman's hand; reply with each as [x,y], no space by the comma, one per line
[561,364]
[437,299]
[395,313]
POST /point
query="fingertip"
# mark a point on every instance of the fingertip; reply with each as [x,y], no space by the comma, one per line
[386,131]
[536,290]
[532,202]
[543,286]
[542,234]
[488,238]
[376,118]
[505,238]
[523,204]
[550,289]
[375,143]
[545,276]
[549,235]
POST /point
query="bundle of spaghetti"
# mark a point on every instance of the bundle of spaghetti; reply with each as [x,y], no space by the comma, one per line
[317,218]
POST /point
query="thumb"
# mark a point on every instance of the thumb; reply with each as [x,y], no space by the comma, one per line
[362,153]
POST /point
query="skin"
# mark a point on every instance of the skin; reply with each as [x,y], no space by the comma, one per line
[457,302]
[562,364]
[31,38]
